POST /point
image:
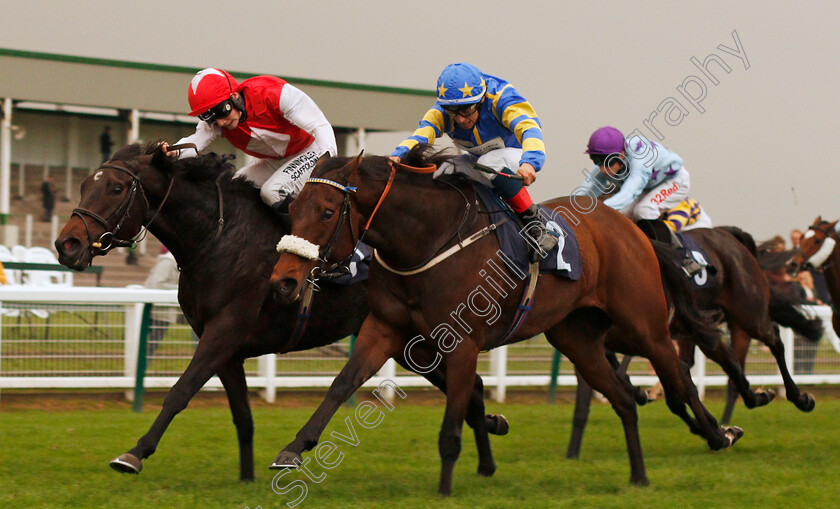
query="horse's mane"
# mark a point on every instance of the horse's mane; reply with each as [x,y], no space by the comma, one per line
[202,168]
[378,168]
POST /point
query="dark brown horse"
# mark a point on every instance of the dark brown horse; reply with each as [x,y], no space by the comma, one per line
[406,218]
[740,299]
[223,238]
[820,249]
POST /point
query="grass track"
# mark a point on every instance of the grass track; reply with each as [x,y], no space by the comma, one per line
[60,459]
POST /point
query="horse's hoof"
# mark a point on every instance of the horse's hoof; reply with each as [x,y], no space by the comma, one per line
[806,402]
[733,434]
[486,471]
[127,464]
[501,425]
[769,394]
[286,459]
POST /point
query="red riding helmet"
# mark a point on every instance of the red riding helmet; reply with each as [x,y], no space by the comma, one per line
[208,88]
[606,140]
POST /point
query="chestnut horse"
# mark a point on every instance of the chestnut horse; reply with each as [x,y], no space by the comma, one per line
[741,299]
[223,238]
[406,217]
[819,249]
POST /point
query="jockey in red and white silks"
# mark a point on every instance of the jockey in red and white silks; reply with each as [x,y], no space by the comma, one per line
[267,118]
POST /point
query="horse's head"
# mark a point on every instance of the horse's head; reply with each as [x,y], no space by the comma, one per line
[113,207]
[816,246]
[325,228]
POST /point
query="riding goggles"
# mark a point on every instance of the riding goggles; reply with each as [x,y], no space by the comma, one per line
[464,110]
[219,111]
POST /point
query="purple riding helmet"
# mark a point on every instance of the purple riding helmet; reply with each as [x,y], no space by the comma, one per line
[606,140]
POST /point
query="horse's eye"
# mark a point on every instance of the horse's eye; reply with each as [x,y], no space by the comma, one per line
[327,214]
[117,189]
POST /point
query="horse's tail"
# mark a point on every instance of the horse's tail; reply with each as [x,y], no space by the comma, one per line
[743,237]
[680,294]
[786,310]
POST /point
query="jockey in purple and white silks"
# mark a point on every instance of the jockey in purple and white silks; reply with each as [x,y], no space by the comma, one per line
[650,179]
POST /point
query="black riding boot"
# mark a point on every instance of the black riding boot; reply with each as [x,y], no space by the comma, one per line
[539,235]
[688,264]
[281,208]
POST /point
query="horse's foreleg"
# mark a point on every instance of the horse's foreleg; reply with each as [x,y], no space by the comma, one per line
[212,352]
[232,376]
[460,376]
[480,423]
[589,357]
[726,357]
[802,400]
[376,343]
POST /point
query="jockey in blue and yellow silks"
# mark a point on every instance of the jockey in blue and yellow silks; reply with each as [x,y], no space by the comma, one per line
[495,127]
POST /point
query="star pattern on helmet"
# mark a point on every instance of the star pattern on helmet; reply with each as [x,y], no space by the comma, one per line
[466,90]
[654,174]
[442,90]
[200,75]
[670,171]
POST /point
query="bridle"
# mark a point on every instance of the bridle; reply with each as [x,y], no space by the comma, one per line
[825,249]
[109,240]
[328,270]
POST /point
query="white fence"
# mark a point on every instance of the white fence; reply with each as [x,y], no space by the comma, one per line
[61,338]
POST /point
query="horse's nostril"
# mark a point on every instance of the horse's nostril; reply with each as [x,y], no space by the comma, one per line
[286,286]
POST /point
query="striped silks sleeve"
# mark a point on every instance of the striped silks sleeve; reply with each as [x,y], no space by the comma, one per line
[433,125]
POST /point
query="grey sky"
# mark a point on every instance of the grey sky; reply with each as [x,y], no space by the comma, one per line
[759,155]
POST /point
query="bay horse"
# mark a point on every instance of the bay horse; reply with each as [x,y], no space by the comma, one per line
[819,249]
[741,299]
[223,238]
[403,213]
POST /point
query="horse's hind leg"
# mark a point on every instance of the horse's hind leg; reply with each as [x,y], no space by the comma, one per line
[375,344]
[232,376]
[583,400]
[579,340]
[211,353]
[740,343]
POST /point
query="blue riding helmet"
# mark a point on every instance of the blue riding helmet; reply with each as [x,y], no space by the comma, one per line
[460,84]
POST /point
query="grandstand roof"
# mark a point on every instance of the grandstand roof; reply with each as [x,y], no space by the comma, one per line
[67,80]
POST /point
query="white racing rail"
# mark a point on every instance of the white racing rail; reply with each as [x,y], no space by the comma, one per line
[504,369]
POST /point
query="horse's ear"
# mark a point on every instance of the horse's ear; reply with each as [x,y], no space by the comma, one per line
[354,165]
[818,220]
[160,160]
[831,225]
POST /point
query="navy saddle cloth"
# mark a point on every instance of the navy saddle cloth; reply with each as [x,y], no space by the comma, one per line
[563,260]
[359,267]
[705,278]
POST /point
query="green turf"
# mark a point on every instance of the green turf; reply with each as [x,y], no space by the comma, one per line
[60,459]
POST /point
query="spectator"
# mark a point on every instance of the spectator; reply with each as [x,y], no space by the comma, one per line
[105,143]
[795,238]
[163,275]
[48,198]
[805,350]
[3,280]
